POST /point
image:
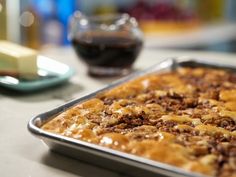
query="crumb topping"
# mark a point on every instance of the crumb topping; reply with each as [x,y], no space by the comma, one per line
[186,118]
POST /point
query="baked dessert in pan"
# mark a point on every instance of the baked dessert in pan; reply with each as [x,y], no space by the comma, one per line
[185,118]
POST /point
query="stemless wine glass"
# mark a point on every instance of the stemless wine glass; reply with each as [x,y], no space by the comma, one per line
[108,44]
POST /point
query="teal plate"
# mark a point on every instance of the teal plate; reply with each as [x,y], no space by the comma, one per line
[51,72]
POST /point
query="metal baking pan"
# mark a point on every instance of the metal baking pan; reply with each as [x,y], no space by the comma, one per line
[108,158]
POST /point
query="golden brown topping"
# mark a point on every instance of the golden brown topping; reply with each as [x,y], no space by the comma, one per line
[164,136]
[93,105]
[231,105]
[86,135]
[183,127]
[228,95]
[230,114]
[211,130]
[114,140]
[179,119]
[202,168]
[164,152]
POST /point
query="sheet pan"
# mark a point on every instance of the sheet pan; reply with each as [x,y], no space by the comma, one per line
[109,158]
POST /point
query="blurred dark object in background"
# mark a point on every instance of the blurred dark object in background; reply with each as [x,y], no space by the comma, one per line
[44,22]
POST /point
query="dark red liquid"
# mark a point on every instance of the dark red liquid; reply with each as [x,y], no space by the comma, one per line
[107,51]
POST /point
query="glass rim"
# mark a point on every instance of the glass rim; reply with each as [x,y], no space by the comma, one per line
[103,17]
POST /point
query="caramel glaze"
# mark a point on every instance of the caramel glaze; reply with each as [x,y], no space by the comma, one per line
[186,118]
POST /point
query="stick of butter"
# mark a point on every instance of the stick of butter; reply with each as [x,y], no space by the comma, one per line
[18,61]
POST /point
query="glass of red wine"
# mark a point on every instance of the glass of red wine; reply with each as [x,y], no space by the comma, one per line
[108,44]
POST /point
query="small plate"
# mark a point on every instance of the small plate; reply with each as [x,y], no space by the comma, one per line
[51,72]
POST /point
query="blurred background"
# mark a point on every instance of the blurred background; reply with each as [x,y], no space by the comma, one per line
[179,24]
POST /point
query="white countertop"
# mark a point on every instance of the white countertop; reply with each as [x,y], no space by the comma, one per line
[23,155]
